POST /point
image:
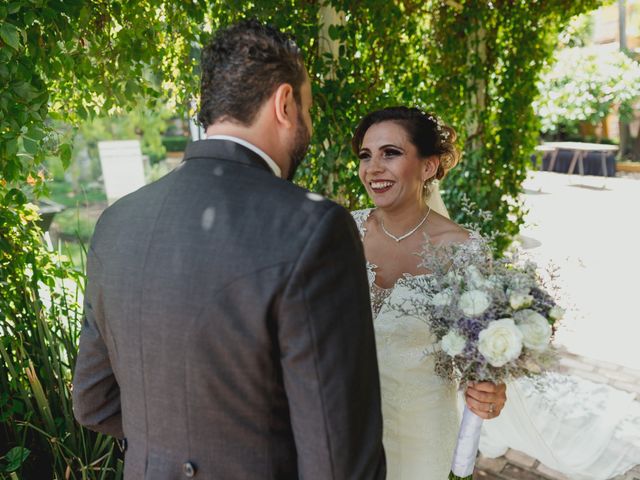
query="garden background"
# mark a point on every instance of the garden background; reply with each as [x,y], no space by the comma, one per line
[74,72]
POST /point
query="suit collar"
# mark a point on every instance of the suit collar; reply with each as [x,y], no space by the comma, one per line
[272,164]
[225,150]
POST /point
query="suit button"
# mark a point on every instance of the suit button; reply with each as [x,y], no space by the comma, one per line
[189,470]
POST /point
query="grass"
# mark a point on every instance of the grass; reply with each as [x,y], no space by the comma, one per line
[74,251]
[65,194]
[39,331]
[74,226]
[72,231]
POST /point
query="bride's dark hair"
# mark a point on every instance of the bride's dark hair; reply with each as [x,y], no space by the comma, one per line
[429,135]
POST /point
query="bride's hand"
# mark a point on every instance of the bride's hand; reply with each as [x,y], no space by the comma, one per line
[486,399]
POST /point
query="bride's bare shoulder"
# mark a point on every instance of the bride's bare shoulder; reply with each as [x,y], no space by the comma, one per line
[445,231]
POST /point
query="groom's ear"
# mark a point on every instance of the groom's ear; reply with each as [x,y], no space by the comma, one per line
[284,104]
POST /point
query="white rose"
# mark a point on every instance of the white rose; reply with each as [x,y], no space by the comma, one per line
[520,299]
[453,343]
[556,313]
[475,278]
[442,299]
[474,303]
[535,329]
[500,342]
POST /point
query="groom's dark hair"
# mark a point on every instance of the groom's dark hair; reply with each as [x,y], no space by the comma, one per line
[241,67]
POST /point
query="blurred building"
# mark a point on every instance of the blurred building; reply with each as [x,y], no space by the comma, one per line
[607,24]
[611,24]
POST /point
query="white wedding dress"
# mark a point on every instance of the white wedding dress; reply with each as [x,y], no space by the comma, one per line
[420,417]
[585,430]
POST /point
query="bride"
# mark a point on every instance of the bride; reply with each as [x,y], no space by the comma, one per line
[585,430]
[402,151]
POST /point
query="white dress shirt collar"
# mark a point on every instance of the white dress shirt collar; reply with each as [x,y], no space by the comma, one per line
[273,165]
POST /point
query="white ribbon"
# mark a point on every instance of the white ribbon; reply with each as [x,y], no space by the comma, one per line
[464,455]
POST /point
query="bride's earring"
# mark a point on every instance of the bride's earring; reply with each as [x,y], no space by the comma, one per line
[426,189]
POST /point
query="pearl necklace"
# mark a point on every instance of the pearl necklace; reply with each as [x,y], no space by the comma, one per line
[409,233]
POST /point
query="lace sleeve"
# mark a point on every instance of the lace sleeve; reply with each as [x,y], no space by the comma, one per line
[360,217]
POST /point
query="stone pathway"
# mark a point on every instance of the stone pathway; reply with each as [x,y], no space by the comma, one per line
[591,234]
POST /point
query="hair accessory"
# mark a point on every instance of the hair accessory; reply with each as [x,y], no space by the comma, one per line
[444,134]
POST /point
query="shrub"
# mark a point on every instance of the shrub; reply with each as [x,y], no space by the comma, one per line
[585,85]
[175,143]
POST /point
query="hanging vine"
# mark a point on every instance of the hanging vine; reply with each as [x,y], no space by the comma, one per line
[485,59]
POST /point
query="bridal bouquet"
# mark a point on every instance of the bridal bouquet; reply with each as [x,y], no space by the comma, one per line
[493,319]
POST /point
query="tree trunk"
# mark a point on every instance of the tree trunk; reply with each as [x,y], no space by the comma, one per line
[477,87]
[635,153]
[625,134]
[329,17]
[625,139]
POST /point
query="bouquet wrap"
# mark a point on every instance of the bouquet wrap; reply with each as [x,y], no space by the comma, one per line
[464,455]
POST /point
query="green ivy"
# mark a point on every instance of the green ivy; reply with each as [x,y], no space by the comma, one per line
[485,59]
[475,63]
[65,61]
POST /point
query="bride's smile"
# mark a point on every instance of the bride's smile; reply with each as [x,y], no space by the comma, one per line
[391,168]
[381,186]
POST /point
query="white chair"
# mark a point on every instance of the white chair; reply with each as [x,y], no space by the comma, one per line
[122,167]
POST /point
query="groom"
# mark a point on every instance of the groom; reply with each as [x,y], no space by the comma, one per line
[228,331]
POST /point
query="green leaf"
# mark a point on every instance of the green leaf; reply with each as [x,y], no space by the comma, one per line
[14,7]
[29,17]
[16,458]
[65,155]
[130,88]
[30,145]
[25,90]
[10,35]
[11,147]
[334,32]
[15,196]
[56,116]
[36,133]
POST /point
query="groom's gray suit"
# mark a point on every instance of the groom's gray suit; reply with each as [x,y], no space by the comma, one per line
[228,332]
